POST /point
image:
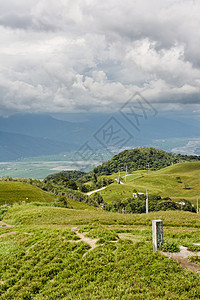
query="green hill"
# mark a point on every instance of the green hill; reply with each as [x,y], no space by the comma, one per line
[182,168]
[177,182]
[18,192]
[141,159]
[23,193]
[110,257]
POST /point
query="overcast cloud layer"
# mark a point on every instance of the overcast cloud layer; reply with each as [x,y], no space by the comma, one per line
[91,55]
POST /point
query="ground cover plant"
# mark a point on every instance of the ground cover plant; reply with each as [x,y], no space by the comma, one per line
[41,258]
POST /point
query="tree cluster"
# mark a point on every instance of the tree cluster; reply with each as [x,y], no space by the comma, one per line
[155,203]
[141,159]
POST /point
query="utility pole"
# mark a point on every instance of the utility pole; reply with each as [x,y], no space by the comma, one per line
[197,206]
[147,202]
[119,178]
[126,173]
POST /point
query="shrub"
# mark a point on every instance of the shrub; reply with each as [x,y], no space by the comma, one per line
[169,247]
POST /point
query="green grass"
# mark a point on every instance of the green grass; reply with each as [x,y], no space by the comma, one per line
[163,182]
[116,191]
[42,215]
[42,258]
[79,205]
[17,192]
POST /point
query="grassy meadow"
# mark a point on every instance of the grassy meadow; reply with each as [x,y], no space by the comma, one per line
[109,256]
[18,192]
[12,193]
[41,258]
[177,182]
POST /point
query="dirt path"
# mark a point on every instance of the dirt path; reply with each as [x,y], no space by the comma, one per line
[91,242]
[92,192]
[3,224]
[28,250]
[120,182]
[13,232]
[187,264]
[182,258]
[7,233]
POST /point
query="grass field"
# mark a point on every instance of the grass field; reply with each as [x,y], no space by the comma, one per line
[111,257]
[163,182]
[22,193]
[41,258]
[18,192]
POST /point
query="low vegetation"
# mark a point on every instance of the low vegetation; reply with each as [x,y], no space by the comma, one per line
[41,258]
[53,245]
[19,192]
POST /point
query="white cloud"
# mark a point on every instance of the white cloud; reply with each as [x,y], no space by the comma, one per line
[91,55]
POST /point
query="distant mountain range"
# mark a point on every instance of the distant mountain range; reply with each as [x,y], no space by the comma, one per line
[15,146]
[30,135]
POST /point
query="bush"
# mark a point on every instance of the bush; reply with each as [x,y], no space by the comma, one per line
[62,200]
[3,210]
[169,247]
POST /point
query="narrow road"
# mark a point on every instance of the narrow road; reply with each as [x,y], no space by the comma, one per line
[92,192]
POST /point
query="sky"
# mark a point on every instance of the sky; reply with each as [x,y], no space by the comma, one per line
[69,56]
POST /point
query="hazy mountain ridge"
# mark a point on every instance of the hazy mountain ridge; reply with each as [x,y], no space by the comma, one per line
[14,146]
[39,134]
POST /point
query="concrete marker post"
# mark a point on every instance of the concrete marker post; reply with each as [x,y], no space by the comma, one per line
[157,232]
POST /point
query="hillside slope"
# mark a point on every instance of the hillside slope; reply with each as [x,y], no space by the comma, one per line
[109,256]
[15,146]
[18,192]
[178,181]
[141,159]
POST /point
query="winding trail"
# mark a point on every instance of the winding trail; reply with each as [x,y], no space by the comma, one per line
[182,258]
[83,238]
[92,192]
[3,224]
[91,242]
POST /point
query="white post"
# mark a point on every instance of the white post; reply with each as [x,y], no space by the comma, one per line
[157,230]
[147,202]
[197,206]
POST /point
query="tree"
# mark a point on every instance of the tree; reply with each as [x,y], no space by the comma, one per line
[97,198]
[167,205]
[84,188]
[187,206]
[62,200]
[94,178]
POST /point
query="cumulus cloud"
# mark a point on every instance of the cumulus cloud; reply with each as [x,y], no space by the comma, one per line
[87,55]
